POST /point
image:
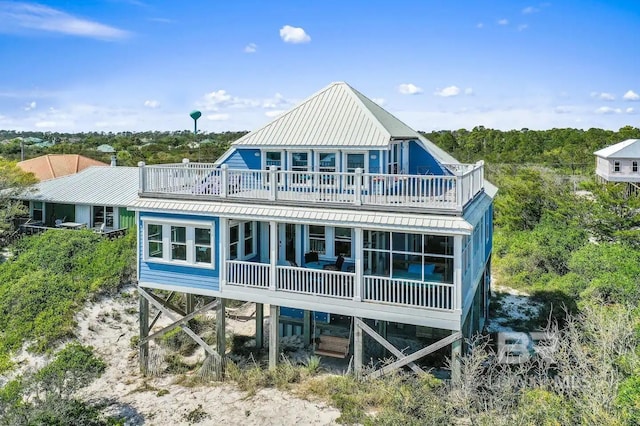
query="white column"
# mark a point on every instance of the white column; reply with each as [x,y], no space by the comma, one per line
[224,250]
[457,271]
[274,337]
[224,178]
[357,189]
[273,253]
[357,294]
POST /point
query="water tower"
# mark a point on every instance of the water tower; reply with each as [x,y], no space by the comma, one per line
[195,114]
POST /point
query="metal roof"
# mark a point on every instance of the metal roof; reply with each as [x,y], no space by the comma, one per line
[625,149]
[109,186]
[334,217]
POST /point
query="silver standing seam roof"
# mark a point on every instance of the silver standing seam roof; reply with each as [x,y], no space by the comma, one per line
[339,117]
[310,215]
[625,149]
[107,186]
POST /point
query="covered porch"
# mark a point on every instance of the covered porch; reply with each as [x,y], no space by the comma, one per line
[367,266]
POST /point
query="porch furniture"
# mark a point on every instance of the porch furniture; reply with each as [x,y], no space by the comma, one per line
[337,266]
[72,225]
[312,256]
[333,346]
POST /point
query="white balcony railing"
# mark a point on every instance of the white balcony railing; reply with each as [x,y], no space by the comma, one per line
[205,181]
[342,285]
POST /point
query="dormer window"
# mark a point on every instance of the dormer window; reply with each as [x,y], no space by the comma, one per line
[616,166]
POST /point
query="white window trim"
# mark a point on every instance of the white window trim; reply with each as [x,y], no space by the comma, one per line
[263,157]
[241,239]
[330,242]
[345,154]
[337,157]
[166,242]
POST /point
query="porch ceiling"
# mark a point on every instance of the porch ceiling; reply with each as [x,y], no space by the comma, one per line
[437,224]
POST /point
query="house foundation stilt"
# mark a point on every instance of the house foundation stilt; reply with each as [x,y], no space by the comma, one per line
[274,336]
[144,333]
[259,325]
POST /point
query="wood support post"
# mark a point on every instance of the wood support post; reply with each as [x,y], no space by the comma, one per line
[259,325]
[357,347]
[306,327]
[221,336]
[274,336]
[190,303]
[144,332]
[456,354]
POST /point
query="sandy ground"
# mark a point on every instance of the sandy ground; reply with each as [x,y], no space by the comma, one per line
[514,304]
[108,326]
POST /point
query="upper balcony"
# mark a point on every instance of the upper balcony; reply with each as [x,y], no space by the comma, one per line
[201,181]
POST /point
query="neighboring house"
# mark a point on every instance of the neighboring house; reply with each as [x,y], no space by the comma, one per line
[90,198]
[620,163]
[52,166]
[339,216]
[106,149]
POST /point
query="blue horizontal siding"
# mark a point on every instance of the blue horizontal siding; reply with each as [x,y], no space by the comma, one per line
[244,159]
[186,276]
[178,275]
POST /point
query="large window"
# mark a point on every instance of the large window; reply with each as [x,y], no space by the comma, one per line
[190,243]
[38,211]
[299,163]
[330,241]
[242,240]
[317,239]
[273,158]
[408,256]
[103,214]
[154,240]
[342,242]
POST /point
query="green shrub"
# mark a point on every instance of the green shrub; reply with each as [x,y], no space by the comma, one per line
[49,279]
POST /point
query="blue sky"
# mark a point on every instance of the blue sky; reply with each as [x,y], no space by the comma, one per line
[116,65]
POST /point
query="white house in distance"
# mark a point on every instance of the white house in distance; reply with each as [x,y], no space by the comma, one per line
[336,214]
[620,163]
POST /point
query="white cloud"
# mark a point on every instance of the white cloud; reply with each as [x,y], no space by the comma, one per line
[503,22]
[629,110]
[563,109]
[608,110]
[250,48]
[294,35]
[468,91]
[218,117]
[448,92]
[523,27]
[603,96]
[274,113]
[32,105]
[46,124]
[409,89]
[529,10]
[631,96]
[479,25]
[18,17]
[151,104]
[379,101]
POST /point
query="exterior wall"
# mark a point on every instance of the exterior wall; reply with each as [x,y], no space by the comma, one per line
[244,159]
[421,162]
[126,218]
[188,277]
[605,169]
[83,214]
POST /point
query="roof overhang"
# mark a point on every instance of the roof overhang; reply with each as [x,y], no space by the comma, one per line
[408,222]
